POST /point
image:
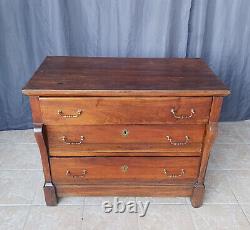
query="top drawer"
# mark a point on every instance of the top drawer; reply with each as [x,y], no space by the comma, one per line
[125,110]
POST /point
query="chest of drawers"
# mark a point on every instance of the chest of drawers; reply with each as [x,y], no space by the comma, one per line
[124,126]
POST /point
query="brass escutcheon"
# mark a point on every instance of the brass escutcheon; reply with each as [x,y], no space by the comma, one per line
[125,132]
[124,168]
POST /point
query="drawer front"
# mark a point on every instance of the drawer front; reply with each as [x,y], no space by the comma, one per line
[90,170]
[124,138]
[125,110]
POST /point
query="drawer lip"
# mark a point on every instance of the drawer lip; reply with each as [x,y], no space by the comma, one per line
[125,110]
[134,133]
[125,190]
[125,93]
[101,170]
[109,148]
[124,154]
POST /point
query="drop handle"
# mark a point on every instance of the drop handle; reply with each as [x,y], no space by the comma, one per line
[173,175]
[62,114]
[83,174]
[68,142]
[175,143]
[182,116]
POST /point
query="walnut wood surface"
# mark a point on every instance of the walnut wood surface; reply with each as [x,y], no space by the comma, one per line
[124,76]
[40,135]
[197,195]
[124,190]
[211,132]
[109,169]
[110,138]
[156,151]
[126,110]
[50,194]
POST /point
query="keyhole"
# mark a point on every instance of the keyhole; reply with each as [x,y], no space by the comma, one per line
[125,132]
[124,168]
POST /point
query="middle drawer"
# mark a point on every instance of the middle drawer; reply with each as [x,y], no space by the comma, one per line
[75,140]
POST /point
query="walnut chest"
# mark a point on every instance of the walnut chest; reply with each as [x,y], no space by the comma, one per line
[124,126]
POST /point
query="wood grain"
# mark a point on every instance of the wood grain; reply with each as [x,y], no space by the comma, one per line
[40,135]
[157,151]
[36,111]
[85,76]
[110,138]
[127,110]
[50,194]
[109,169]
[211,132]
[125,190]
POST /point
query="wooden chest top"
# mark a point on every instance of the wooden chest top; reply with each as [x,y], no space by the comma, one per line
[92,76]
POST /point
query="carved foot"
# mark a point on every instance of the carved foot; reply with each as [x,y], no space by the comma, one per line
[50,194]
[197,196]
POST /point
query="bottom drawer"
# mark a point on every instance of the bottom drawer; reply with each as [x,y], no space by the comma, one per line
[91,170]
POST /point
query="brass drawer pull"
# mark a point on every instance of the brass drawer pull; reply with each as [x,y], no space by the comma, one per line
[124,168]
[178,143]
[84,172]
[66,141]
[182,116]
[78,113]
[174,175]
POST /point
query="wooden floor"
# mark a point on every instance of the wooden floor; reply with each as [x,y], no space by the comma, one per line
[227,200]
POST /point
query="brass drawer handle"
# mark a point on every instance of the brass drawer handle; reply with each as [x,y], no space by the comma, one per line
[174,175]
[124,168]
[78,113]
[66,141]
[187,139]
[182,116]
[84,172]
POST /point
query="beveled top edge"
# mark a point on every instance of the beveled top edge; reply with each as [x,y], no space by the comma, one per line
[119,76]
[125,93]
